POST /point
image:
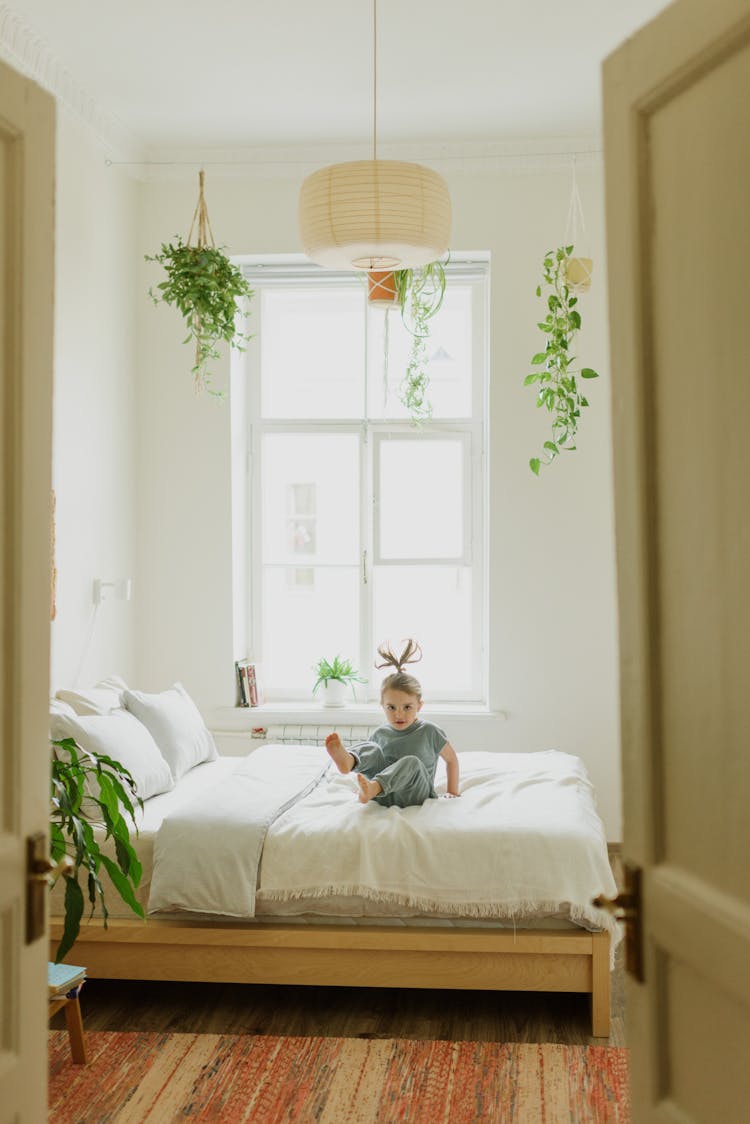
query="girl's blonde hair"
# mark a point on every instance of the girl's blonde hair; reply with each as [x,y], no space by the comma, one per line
[400,680]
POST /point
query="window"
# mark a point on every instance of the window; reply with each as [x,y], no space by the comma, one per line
[361,526]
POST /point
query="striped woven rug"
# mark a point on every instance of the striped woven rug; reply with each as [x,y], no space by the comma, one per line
[135,1078]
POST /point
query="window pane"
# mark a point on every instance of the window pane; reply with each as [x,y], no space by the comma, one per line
[449,358]
[310,498]
[312,352]
[421,498]
[432,604]
[308,612]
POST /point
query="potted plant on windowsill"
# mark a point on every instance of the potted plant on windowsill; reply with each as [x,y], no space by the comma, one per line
[334,677]
[87,790]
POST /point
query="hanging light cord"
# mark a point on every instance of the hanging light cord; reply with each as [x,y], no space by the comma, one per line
[374,79]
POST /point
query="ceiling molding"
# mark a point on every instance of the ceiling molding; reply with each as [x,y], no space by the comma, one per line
[294,162]
[27,52]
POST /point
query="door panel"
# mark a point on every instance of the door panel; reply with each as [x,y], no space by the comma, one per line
[677,159]
[27,145]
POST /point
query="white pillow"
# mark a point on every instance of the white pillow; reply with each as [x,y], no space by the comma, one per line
[105,697]
[176,726]
[58,707]
[123,738]
[115,681]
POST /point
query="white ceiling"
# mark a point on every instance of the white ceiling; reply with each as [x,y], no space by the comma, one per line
[231,74]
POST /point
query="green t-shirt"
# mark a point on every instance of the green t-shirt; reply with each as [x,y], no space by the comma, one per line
[424,740]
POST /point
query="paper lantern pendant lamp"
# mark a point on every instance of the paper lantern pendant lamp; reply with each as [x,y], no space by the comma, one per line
[374,215]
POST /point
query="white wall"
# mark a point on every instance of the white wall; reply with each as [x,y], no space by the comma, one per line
[94,406]
[553,627]
[552,608]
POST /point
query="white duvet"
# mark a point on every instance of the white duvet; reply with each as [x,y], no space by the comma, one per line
[523,840]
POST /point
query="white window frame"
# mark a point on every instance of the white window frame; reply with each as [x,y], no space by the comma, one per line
[248,427]
[437,432]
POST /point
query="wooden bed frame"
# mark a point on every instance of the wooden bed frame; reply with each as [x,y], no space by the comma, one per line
[571,960]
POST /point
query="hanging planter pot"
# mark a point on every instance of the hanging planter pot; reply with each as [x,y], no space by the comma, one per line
[556,376]
[382,289]
[578,267]
[578,274]
[204,286]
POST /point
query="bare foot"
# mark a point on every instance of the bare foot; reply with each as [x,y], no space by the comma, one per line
[367,789]
[342,758]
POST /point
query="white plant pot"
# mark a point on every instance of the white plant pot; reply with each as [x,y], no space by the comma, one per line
[578,274]
[333,692]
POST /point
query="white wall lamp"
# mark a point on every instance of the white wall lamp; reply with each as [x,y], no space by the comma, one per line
[120,590]
[374,214]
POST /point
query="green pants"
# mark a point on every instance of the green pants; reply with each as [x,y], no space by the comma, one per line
[404,782]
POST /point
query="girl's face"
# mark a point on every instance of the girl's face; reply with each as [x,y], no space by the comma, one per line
[401,709]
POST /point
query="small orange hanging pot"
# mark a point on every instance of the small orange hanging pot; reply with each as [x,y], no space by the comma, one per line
[381,288]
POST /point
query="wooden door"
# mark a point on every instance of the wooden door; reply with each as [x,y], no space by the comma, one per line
[27,148]
[677,160]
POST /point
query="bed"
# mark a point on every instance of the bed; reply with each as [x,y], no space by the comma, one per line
[265,869]
[317,889]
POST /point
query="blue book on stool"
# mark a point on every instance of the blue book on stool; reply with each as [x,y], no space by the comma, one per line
[64,978]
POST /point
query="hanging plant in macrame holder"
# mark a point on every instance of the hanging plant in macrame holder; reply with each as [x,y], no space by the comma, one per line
[204,286]
[579,264]
[566,273]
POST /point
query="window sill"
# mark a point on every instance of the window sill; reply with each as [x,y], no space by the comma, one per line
[242,719]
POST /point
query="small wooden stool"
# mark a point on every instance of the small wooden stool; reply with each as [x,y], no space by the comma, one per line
[74,1022]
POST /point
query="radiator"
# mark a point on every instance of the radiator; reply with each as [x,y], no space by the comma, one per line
[290,733]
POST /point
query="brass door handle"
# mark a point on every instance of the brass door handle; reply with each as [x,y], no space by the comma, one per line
[39,873]
[624,905]
[42,870]
[628,907]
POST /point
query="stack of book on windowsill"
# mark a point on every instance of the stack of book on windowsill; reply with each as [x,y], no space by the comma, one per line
[247,682]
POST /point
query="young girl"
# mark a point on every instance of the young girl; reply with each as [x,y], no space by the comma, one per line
[397,766]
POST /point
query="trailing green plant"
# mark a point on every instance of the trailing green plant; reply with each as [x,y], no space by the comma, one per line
[556,383]
[203,285]
[420,295]
[88,790]
[338,668]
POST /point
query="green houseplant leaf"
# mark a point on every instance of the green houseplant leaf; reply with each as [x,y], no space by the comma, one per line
[87,789]
[337,668]
[557,389]
[204,286]
[420,295]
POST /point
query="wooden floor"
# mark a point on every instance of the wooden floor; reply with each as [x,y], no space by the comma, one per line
[346,1012]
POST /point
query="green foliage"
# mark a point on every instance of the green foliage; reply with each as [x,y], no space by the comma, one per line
[203,285]
[89,789]
[420,295]
[338,668]
[556,386]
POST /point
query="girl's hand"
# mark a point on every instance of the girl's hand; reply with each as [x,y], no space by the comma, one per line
[450,795]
